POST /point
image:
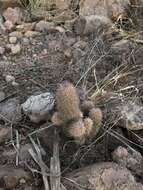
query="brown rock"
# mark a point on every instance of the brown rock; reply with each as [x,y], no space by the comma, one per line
[102,176]
[11,176]
[5,134]
[10,182]
[10,154]
[129,158]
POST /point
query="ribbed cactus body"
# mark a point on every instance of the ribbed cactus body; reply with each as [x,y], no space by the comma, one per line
[68,102]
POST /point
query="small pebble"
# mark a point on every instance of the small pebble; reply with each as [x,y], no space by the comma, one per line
[2,50]
[9,78]
[15,49]
[15,84]
[60,29]
[22,181]
[25,41]
[13,40]
[68,53]
[16,34]
[31,34]
[44,52]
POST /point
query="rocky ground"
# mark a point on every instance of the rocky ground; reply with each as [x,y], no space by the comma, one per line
[92,125]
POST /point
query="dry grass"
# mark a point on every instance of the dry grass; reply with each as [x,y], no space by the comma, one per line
[51,177]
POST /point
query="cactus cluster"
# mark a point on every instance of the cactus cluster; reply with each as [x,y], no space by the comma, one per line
[79,120]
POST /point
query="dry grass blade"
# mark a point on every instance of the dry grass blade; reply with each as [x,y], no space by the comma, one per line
[18,148]
[36,155]
[55,180]
[63,187]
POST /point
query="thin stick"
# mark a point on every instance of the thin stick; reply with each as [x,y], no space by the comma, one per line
[55,179]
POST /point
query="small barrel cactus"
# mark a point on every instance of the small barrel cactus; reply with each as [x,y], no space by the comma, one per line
[87,105]
[80,125]
[88,124]
[68,102]
[76,130]
[96,115]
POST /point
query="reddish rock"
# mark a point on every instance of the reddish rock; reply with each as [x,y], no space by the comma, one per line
[13,14]
[8,25]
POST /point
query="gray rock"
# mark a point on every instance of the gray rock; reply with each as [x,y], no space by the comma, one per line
[10,110]
[132,114]
[25,41]
[90,7]
[43,26]
[96,24]
[85,25]
[38,107]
